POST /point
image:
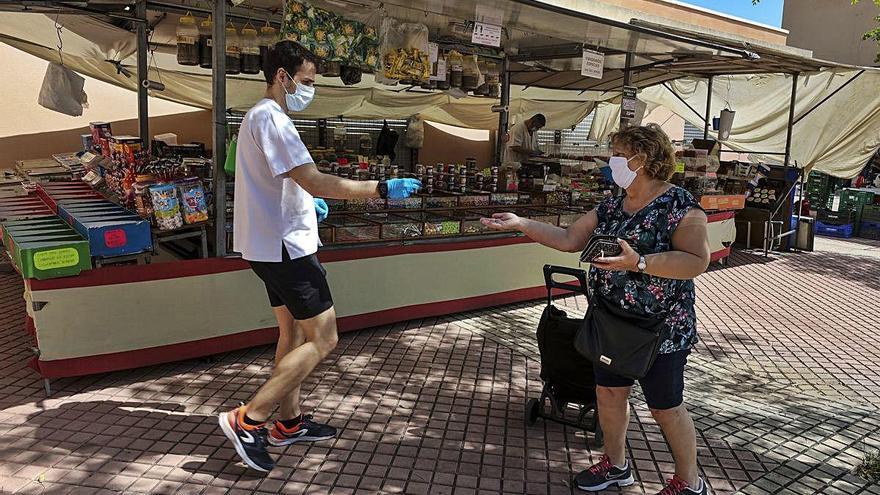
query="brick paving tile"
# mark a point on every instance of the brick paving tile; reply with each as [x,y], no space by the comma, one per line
[436,405]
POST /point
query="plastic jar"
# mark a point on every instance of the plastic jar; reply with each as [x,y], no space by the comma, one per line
[187,41]
[455,68]
[268,37]
[233,50]
[206,43]
[250,50]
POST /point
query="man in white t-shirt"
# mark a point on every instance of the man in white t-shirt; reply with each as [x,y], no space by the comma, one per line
[276,231]
[523,140]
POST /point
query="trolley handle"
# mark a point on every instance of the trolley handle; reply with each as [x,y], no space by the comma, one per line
[580,275]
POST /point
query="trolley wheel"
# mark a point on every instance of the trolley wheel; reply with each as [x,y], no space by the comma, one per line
[533,412]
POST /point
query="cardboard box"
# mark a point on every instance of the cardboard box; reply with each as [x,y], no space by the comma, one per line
[723,202]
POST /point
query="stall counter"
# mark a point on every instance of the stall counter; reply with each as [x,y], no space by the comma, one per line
[124,317]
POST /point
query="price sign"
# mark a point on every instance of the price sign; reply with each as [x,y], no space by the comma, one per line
[592,64]
[486,34]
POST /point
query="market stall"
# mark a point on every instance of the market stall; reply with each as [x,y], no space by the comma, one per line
[436,235]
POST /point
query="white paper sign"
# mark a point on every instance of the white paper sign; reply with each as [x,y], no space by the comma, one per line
[486,34]
[433,50]
[441,71]
[592,64]
[488,15]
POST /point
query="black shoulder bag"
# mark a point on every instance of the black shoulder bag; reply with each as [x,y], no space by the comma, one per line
[617,340]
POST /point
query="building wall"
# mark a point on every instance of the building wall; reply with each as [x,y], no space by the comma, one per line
[447,144]
[189,127]
[833,29]
[682,12]
[21,78]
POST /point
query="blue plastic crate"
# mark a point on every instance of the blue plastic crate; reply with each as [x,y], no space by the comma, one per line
[114,232]
[870,230]
[842,231]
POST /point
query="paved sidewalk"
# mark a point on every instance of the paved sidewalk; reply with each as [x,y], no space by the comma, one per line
[784,388]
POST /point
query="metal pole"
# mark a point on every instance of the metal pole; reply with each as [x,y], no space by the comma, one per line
[504,115]
[627,79]
[790,131]
[142,73]
[218,79]
[707,120]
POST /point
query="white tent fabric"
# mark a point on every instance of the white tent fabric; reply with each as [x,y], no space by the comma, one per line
[837,138]
[36,34]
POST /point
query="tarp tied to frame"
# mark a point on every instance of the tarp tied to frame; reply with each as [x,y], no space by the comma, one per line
[837,138]
[36,34]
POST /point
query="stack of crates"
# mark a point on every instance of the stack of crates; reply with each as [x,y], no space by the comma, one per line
[870,226]
[820,190]
[835,223]
[854,200]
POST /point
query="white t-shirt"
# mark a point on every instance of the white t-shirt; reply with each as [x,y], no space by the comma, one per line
[270,207]
[520,136]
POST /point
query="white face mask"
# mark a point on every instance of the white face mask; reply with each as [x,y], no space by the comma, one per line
[621,172]
[300,98]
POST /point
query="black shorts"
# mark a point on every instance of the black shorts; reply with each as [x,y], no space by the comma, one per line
[663,386]
[299,284]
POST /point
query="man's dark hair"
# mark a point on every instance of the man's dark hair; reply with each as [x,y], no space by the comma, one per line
[539,119]
[286,55]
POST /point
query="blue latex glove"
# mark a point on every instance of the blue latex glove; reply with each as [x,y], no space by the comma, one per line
[321,209]
[403,188]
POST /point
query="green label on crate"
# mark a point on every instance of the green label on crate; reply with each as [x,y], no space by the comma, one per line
[679,168]
[56,258]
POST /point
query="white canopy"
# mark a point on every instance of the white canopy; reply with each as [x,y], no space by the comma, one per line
[839,137]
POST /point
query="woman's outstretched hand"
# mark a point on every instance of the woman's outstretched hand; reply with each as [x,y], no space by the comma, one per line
[502,221]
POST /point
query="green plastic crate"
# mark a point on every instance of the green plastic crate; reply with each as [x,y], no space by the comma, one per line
[51,258]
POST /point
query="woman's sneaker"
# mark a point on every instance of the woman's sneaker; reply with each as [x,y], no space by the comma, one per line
[678,486]
[306,431]
[604,475]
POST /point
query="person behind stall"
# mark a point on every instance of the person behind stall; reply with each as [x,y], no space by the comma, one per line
[523,140]
[668,233]
[276,231]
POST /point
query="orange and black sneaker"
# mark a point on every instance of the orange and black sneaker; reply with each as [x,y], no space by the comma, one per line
[250,442]
[305,431]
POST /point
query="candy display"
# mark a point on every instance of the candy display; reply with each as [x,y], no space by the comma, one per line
[166,206]
[330,36]
[195,208]
[405,52]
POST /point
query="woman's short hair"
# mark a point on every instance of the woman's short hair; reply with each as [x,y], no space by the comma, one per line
[654,144]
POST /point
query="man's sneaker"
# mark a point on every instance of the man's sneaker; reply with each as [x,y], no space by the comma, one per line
[603,475]
[678,486]
[306,431]
[249,441]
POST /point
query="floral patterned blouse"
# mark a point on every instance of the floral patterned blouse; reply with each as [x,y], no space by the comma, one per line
[650,231]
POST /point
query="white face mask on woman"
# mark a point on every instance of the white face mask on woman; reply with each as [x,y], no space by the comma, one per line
[621,172]
[300,98]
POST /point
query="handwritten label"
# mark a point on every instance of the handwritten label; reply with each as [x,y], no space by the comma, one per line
[115,238]
[592,64]
[679,168]
[486,34]
[56,258]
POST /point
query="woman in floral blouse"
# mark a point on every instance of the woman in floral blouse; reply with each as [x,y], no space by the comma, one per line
[662,231]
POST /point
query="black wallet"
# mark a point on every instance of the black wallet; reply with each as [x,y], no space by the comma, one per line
[600,246]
